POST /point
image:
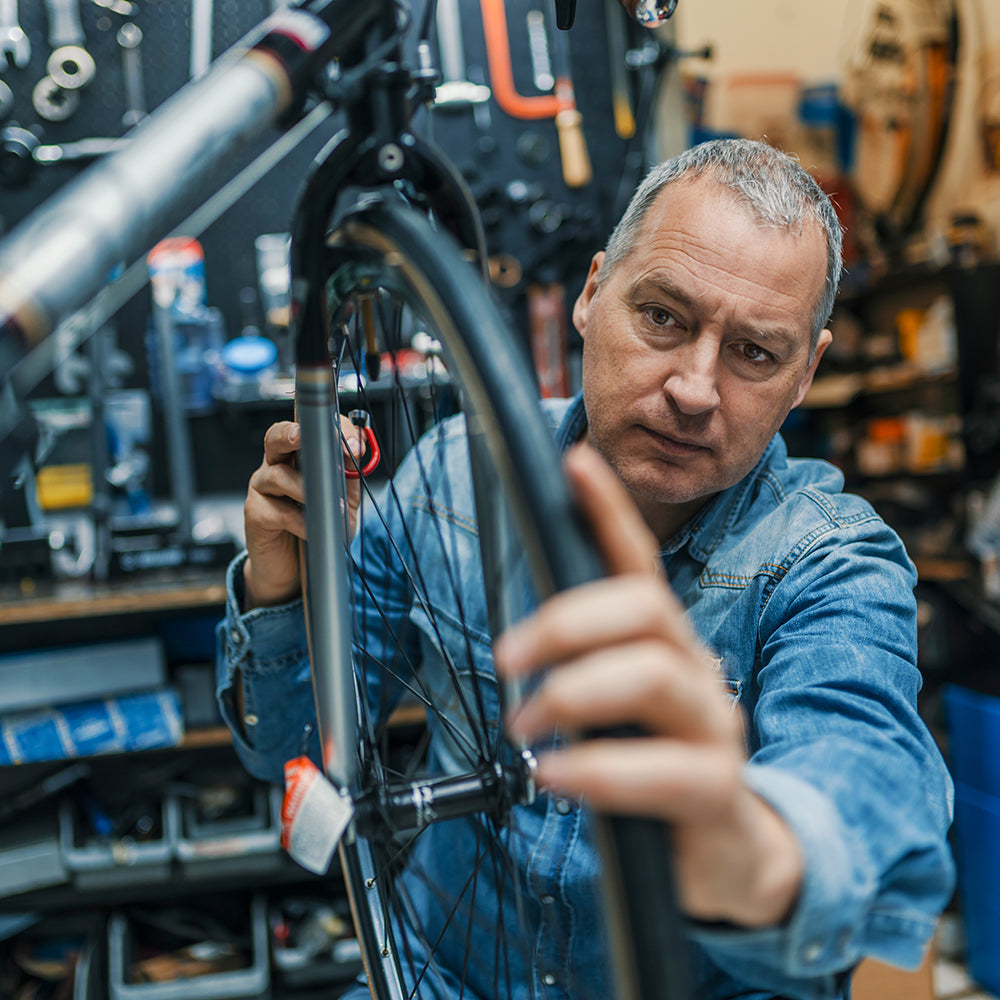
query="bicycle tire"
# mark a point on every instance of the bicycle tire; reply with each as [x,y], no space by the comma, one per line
[387,264]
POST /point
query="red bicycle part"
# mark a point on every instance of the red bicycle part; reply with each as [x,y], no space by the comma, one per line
[374,456]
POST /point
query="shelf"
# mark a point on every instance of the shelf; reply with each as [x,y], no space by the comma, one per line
[832,391]
[177,591]
[941,569]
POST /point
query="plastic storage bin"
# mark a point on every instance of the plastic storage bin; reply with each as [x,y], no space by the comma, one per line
[974,756]
[98,862]
[248,840]
[252,981]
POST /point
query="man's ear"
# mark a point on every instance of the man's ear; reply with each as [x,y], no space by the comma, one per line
[581,308]
[824,341]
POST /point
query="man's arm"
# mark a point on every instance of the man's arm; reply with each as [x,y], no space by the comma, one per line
[262,659]
[842,764]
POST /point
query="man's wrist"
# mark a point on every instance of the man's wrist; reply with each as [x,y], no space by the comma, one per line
[776,877]
[257,594]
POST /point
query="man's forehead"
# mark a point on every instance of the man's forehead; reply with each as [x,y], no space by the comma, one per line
[692,193]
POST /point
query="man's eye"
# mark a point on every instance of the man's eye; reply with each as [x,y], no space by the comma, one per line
[659,315]
[757,355]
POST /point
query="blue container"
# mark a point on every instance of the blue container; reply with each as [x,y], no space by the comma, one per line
[974,738]
[974,753]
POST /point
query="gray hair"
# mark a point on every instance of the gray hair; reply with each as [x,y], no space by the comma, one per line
[775,187]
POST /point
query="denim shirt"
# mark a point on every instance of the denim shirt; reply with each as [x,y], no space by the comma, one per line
[805,598]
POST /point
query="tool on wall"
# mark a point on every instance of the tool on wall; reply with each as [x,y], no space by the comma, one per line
[538,47]
[456,90]
[15,48]
[77,151]
[560,105]
[6,101]
[202,14]
[129,39]
[65,27]
[56,97]
[71,66]
[123,7]
[621,101]
[52,102]
[547,321]
[17,149]
[569,121]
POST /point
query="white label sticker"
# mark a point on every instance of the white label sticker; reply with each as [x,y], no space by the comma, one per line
[314,815]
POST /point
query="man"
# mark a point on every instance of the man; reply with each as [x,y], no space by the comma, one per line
[810,824]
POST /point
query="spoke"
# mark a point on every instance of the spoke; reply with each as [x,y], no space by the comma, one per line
[415,576]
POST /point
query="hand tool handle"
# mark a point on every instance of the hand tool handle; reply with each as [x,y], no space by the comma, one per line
[547,322]
[576,168]
[449,32]
[569,122]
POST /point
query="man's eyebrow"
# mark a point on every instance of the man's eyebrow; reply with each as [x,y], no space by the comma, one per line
[662,283]
[775,335]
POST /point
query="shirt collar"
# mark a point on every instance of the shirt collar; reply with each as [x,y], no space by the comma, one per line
[706,529]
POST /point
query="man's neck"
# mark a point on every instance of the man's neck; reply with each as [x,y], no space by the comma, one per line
[666,519]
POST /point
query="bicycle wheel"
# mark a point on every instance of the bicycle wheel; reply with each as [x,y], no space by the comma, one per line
[463,883]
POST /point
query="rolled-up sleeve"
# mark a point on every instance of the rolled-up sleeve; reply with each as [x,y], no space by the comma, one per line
[265,650]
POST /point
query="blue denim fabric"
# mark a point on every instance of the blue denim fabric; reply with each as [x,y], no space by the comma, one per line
[805,597]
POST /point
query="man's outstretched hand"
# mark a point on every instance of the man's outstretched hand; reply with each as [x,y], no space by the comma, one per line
[621,652]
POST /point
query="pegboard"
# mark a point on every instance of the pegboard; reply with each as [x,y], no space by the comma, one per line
[547,229]
[166,63]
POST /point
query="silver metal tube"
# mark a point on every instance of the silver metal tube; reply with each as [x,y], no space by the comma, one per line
[329,619]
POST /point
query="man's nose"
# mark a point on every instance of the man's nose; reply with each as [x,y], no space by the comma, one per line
[693,381]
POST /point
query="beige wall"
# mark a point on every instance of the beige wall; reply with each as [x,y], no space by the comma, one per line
[811,40]
[798,36]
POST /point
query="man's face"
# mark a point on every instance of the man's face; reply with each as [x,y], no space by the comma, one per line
[697,346]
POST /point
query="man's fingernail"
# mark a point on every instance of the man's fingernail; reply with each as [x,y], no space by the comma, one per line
[355,445]
[293,434]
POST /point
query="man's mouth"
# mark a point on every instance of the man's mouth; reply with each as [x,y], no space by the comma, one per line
[674,445]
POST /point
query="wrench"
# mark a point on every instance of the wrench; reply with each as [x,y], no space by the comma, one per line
[129,38]
[81,149]
[14,44]
[64,23]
